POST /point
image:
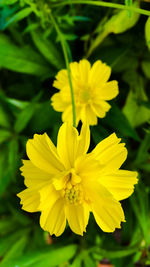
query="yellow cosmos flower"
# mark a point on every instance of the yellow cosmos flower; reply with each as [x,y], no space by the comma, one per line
[65,183]
[91,91]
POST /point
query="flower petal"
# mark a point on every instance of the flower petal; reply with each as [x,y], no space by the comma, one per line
[67,115]
[110,153]
[84,69]
[101,108]
[99,74]
[34,177]
[53,219]
[30,200]
[88,116]
[48,196]
[77,216]
[61,79]
[43,154]
[88,168]
[109,90]
[107,211]
[120,183]
[58,103]
[83,140]
[67,144]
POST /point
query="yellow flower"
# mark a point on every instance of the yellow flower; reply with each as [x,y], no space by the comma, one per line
[91,91]
[65,183]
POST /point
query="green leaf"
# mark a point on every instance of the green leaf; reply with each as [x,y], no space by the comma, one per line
[22,59]
[146,68]
[15,251]
[52,257]
[4,135]
[13,157]
[8,2]
[47,49]
[4,119]
[7,225]
[44,117]
[140,204]
[118,121]
[18,16]
[6,242]
[147,32]
[5,176]
[117,24]
[24,117]
[136,113]
[143,151]
[117,253]
[89,262]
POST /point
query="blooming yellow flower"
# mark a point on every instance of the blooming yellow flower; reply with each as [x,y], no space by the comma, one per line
[91,91]
[65,183]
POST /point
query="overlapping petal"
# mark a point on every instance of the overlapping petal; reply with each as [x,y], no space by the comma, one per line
[61,79]
[34,177]
[109,90]
[100,108]
[110,153]
[88,115]
[120,183]
[107,211]
[70,145]
[43,154]
[30,200]
[77,216]
[53,219]
[99,73]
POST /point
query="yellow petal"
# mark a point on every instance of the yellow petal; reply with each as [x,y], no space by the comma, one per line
[99,74]
[77,216]
[48,196]
[61,79]
[58,103]
[101,108]
[30,200]
[34,177]
[88,116]
[84,70]
[110,153]
[83,140]
[120,183]
[109,90]
[67,144]
[74,66]
[67,115]
[107,211]
[88,168]
[43,154]
[53,219]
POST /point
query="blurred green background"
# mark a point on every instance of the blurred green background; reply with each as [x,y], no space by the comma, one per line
[30,57]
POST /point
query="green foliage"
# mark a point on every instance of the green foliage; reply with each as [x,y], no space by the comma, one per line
[30,56]
[117,24]
[147,32]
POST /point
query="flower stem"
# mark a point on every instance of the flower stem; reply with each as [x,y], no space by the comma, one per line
[105,4]
[63,44]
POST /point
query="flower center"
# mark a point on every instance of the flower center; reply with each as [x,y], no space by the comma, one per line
[85,95]
[73,195]
[72,191]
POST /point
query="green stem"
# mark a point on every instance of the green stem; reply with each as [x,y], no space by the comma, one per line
[67,65]
[105,4]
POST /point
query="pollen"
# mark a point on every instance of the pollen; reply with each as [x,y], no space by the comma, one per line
[73,195]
